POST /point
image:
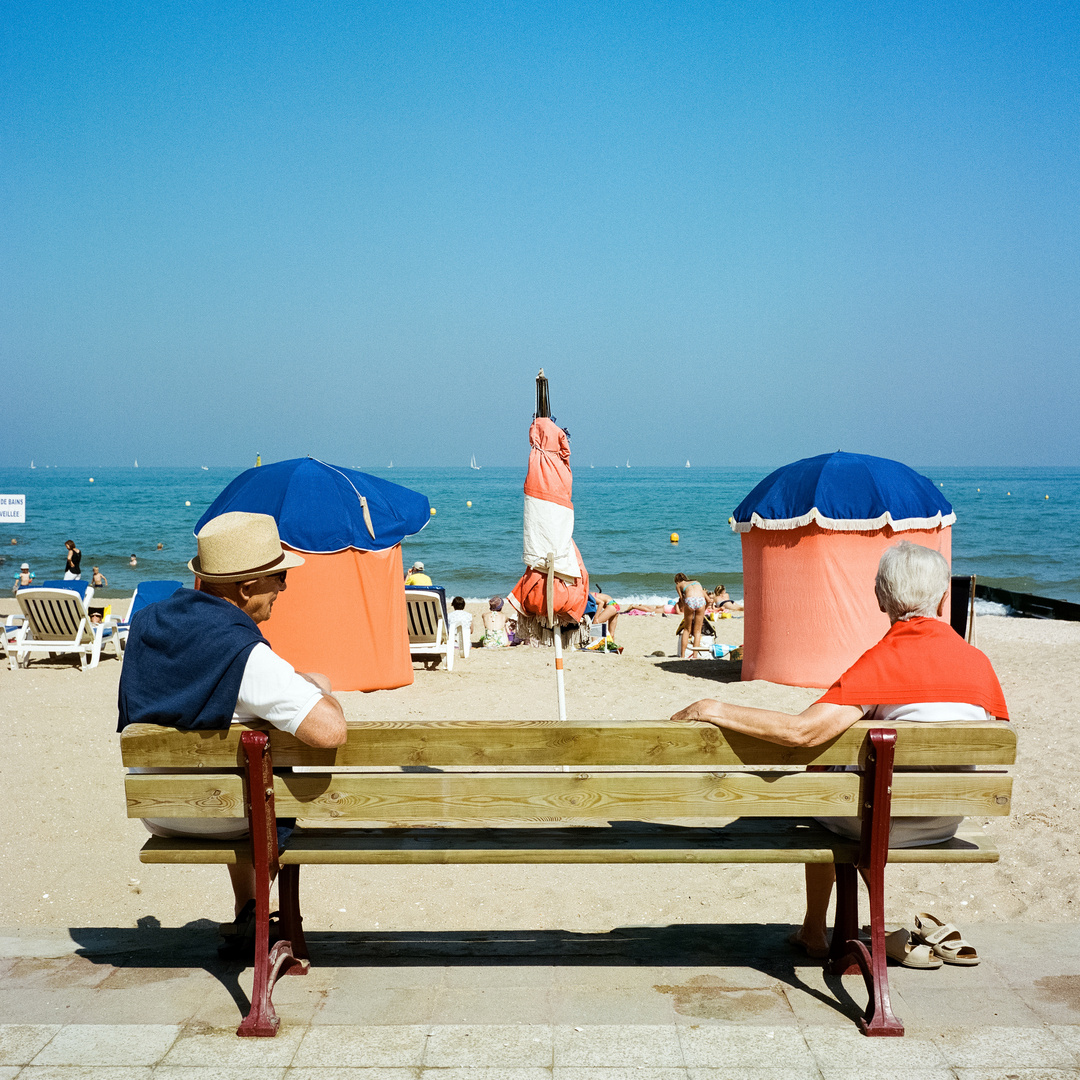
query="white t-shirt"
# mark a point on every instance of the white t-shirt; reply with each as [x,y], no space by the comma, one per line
[270,690]
[914,831]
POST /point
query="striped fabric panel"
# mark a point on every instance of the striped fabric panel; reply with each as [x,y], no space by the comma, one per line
[54,619]
[423,620]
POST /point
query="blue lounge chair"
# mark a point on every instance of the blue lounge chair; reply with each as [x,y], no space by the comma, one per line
[145,594]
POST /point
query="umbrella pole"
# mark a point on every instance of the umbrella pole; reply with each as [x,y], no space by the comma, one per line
[556,631]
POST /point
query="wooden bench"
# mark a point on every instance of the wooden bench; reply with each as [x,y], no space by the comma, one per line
[499,792]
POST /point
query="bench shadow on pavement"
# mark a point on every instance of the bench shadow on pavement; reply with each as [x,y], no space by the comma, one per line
[759,947]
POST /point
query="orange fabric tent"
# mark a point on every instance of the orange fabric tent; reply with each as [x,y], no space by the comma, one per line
[343,614]
[813,533]
[810,609]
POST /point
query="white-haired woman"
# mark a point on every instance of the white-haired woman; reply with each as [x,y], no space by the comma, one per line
[921,670]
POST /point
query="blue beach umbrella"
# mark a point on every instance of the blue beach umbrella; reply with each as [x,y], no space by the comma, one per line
[321,508]
[844,493]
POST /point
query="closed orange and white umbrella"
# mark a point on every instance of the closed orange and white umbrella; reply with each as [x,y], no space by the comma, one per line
[555,588]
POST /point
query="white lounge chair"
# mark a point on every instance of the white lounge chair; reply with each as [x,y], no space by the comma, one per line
[425,610]
[56,621]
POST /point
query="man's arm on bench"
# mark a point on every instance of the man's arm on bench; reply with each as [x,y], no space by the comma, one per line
[816,724]
[324,725]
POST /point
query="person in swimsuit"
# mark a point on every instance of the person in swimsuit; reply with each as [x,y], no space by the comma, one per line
[99,580]
[496,635]
[723,602]
[607,611]
[25,578]
[692,600]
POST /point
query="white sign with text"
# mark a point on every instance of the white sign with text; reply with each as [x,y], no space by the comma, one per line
[12,509]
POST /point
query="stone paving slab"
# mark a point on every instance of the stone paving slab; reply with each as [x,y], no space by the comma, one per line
[124,1005]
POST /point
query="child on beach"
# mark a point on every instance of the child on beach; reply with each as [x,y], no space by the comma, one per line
[459,617]
[98,580]
[24,580]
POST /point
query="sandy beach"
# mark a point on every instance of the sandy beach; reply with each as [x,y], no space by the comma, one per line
[71,854]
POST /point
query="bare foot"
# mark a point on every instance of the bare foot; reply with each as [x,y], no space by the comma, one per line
[816,950]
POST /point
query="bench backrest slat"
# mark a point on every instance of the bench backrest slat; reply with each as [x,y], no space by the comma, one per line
[460,797]
[538,743]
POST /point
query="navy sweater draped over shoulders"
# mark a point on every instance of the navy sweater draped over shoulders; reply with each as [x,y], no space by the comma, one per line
[184,660]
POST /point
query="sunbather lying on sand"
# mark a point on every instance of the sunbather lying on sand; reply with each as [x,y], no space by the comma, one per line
[721,601]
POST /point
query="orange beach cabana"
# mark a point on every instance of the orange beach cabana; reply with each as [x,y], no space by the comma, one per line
[812,535]
[343,611]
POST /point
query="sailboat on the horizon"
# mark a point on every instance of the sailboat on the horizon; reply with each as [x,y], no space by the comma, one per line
[136,463]
[391,465]
[32,465]
[688,463]
[628,463]
[472,463]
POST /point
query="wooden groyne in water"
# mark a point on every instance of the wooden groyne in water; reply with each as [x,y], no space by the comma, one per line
[1035,607]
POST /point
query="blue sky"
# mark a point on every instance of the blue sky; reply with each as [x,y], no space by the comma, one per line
[736,233]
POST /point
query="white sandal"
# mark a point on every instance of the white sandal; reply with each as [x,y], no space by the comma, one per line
[898,947]
[946,940]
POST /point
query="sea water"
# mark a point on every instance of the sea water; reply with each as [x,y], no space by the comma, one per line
[1008,531]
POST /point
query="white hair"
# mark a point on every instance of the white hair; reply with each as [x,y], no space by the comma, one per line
[911,580]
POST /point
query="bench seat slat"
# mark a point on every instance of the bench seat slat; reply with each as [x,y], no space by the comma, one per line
[445,743]
[448,798]
[777,841]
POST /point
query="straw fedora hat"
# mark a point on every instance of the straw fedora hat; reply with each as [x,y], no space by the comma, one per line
[240,547]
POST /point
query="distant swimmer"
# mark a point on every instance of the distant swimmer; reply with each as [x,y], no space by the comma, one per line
[160,547]
[74,559]
[133,561]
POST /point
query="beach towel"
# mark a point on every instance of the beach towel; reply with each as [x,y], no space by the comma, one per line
[920,660]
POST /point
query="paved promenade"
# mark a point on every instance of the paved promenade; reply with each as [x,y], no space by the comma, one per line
[653,1003]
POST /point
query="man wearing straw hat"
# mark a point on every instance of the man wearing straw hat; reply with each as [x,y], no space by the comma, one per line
[197,661]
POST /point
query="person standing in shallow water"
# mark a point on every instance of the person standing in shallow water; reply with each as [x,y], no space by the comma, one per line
[72,571]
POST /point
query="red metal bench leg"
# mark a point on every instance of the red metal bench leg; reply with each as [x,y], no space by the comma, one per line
[270,963]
